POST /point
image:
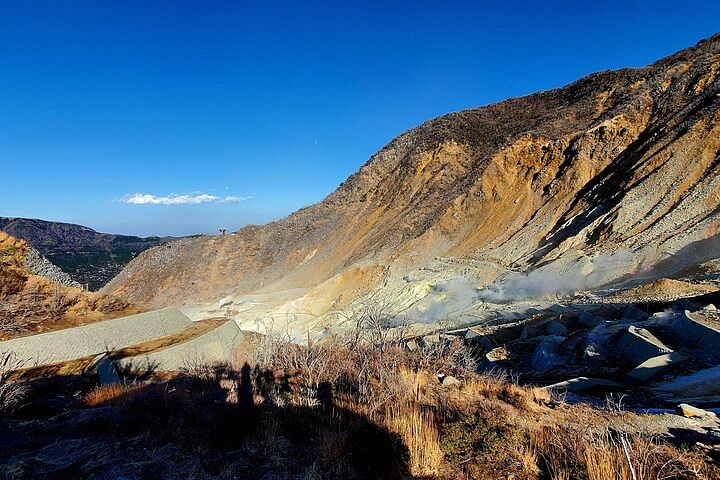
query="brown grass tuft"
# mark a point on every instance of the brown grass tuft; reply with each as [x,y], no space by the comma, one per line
[112,394]
[416,427]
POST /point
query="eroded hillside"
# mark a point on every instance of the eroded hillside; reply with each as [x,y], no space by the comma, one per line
[622,160]
[31,302]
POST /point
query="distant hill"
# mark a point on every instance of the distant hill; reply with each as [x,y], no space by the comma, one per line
[90,258]
[36,297]
[619,161]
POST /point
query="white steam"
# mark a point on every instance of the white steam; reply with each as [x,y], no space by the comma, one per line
[457,294]
[549,281]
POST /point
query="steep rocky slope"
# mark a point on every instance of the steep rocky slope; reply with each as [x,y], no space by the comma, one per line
[90,258]
[36,296]
[623,160]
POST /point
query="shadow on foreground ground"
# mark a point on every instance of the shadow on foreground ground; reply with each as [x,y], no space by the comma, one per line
[186,428]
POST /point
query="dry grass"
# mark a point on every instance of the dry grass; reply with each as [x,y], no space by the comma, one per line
[12,392]
[486,424]
[587,451]
[113,394]
[418,430]
[341,411]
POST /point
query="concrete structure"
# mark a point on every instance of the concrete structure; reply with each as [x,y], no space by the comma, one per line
[95,338]
[546,327]
[695,331]
[509,315]
[479,340]
[554,327]
[656,366]
[598,341]
[637,345]
[562,309]
[580,384]
[216,346]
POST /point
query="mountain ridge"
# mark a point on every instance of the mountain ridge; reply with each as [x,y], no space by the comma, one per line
[519,183]
[90,257]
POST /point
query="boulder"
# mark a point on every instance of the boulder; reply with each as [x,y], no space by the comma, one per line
[448,380]
[699,384]
[479,340]
[655,366]
[689,411]
[553,327]
[695,331]
[634,314]
[497,354]
[590,320]
[637,345]
[105,368]
[580,384]
[545,355]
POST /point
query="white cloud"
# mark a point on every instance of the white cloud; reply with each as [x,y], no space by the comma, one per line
[232,199]
[175,199]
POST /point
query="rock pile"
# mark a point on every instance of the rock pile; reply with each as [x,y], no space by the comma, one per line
[672,356]
[39,265]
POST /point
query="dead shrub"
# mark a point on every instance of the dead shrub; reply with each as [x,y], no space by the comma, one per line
[601,454]
[12,392]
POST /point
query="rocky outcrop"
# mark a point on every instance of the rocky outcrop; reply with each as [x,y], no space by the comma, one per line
[625,160]
[39,265]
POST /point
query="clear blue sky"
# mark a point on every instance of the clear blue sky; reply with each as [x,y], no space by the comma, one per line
[211,102]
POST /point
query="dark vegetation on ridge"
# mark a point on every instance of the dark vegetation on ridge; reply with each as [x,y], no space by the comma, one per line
[90,258]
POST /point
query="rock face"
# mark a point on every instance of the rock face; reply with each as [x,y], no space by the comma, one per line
[623,160]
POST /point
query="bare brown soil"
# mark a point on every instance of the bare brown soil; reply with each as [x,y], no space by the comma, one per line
[665,289]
